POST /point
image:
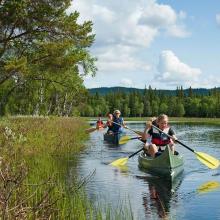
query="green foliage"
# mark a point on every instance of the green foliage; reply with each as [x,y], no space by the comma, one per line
[35,156]
[43,57]
[151,103]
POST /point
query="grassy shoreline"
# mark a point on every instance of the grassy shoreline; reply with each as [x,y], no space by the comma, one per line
[35,156]
[33,170]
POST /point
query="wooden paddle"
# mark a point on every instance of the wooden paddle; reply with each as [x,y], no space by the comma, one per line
[206,159]
[125,139]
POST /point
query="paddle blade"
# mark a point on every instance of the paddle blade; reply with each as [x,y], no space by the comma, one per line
[119,162]
[124,139]
[208,160]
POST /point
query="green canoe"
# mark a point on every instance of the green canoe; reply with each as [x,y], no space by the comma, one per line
[166,165]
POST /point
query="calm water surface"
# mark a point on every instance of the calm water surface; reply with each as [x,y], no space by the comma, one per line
[195,195]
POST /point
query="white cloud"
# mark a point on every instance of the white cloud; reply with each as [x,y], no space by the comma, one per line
[121,34]
[119,58]
[161,16]
[178,31]
[182,15]
[172,71]
[104,14]
[156,15]
[209,81]
[136,25]
[127,82]
[217,17]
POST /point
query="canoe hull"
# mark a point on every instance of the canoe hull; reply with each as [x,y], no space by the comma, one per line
[112,138]
[166,165]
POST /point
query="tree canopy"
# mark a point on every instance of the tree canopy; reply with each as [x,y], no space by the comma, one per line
[151,103]
[43,57]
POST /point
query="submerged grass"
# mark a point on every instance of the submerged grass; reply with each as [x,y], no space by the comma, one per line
[35,154]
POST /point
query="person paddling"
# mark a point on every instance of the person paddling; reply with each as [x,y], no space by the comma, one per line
[119,122]
[99,123]
[158,139]
[109,123]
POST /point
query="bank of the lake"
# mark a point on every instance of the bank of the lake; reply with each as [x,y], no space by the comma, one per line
[35,154]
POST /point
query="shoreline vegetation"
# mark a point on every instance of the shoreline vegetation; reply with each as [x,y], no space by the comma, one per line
[33,168]
[35,156]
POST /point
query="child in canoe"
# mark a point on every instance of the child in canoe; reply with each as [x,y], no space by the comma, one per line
[158,139]
[99,123]
[109,123]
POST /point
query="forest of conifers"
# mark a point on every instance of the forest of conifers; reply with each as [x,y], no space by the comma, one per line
[151,102]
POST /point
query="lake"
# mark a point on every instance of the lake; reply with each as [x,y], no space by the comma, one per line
[194,195]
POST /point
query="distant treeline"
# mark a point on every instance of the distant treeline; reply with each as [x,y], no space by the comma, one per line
[151,102]
[106,90]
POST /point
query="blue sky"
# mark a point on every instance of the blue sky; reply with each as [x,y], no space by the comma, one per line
[164,44]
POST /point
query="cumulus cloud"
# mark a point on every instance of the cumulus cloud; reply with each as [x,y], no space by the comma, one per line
[126,82]
[120,34]
[217,17]
[137,24]
[119,58]
[156,15]
[172,71]
[159,16]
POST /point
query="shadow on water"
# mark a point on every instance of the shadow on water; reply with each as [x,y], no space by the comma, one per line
[156,200]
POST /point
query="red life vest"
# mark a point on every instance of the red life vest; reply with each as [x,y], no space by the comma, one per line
[99,123]
[159,138]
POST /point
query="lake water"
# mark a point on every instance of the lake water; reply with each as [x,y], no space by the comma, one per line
[194,195]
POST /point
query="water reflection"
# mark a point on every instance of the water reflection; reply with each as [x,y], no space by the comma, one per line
[159,195]
[209,186]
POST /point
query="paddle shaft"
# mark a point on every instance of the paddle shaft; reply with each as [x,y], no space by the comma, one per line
[137,132]
[136,152]
[175,140]
[133,138]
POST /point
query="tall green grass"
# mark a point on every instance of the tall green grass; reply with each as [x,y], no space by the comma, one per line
[35,154]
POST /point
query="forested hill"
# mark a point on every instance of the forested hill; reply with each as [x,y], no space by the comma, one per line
[147,102]
[107,90]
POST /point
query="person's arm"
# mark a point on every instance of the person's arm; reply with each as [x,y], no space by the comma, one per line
[105,125]
[172,134]
[123,123]
[146,131]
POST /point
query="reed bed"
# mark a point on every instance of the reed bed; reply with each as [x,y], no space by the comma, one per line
[35,154]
